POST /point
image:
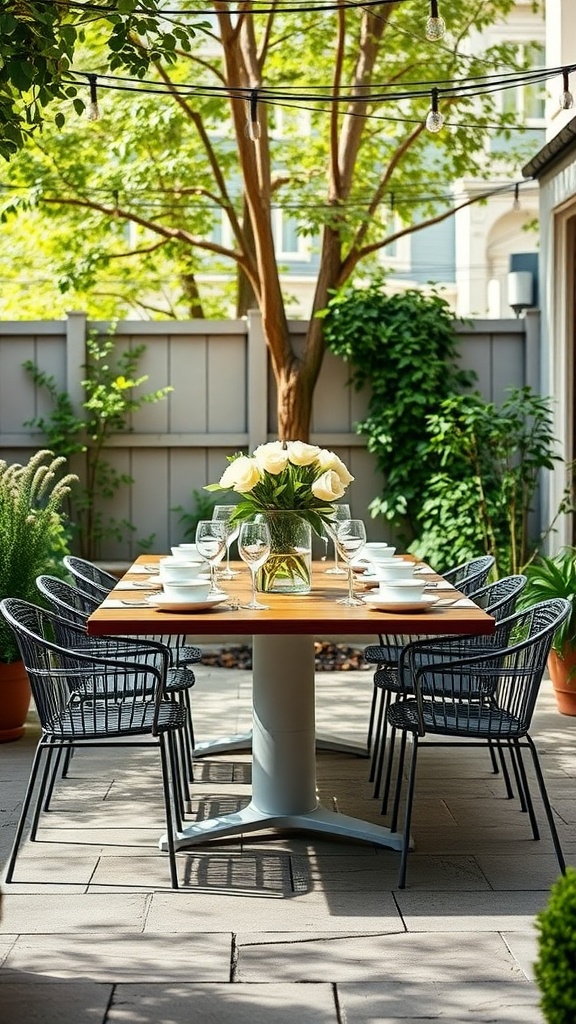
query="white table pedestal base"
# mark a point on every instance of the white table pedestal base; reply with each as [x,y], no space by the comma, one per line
[243,741]
[284,755]
[251,819]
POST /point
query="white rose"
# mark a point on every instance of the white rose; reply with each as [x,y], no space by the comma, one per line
[329,460]
[271,458]
[328,487]
[302,454]
[241,475]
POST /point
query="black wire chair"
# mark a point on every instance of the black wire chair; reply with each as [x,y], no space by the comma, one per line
[476,696]
[499,600]
[467,578]
[471,575]
[97,583]
[97,696]
[74,606]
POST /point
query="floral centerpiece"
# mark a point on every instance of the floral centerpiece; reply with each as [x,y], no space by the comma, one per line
[294,485]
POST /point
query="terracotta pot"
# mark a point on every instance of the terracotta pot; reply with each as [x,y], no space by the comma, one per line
[14,700]
[562,671]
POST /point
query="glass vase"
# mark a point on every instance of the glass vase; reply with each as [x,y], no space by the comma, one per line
[288,568]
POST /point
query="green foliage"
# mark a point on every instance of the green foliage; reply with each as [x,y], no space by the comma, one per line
[460,474]
[109,402]
[549,578]
[39,41]
[202,508]
[405,347]
[32,531]
[490,459]
[172,166]
[555,967]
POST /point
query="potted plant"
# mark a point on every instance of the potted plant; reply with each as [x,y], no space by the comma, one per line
[556,577]
[32,541]
[555,967]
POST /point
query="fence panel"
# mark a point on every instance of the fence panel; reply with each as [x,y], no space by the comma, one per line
[223,400]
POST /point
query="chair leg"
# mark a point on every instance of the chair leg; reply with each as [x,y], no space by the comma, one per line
[526,790]
[67,761]
[378,698]
[389,767]
[547,807]
[382,741]
[505,772]
[408,814]
[495,767]
[370,732]
[176,780]
[517,777]
[399,777]
[24,812]
[170,799]
[54,774]
[47,779]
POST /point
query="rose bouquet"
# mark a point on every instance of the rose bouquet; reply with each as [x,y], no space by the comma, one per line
[293,486]
[290,475]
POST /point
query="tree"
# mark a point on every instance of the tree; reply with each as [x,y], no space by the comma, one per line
[38,41]
[211,139]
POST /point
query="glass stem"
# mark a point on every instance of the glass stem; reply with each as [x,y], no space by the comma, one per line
[335,555]
[350,587]
[253,572]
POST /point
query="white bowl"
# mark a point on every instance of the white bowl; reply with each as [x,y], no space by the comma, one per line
[396,569]
[376,549]
[184,550]
[194,590]
[401,590]
[179,570]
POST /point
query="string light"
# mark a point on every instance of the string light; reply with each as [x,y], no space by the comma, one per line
[93,111]
[253,125]
[516,200]
[566,99]
[435,26]
[434,121]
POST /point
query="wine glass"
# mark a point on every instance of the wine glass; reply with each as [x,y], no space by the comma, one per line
[254,548]
[222,514]
[350,539]
[211,544]
[341,512]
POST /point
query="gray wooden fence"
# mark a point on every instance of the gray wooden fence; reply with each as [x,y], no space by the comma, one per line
[223,400]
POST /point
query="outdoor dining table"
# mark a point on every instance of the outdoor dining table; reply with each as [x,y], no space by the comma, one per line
[284,795]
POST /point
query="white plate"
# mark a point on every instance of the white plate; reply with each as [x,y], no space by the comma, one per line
[381,605]
[165,604]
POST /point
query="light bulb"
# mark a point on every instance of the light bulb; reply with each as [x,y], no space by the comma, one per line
[254,131]
[566,99]
[435,29]
[253,124]
[516,200]
[434,120]
[435,26]
[93,110]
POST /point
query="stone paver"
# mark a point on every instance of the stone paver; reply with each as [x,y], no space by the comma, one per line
[288,928]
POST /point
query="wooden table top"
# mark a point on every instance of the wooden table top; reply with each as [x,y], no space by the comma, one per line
[316,613]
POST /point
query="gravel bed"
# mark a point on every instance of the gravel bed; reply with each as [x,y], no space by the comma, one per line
[329,657]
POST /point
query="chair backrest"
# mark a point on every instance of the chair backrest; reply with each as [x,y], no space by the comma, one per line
[499,598]
[470,576]
[492,689]
[92,578]
[75,605]
[68,601]
[83,684]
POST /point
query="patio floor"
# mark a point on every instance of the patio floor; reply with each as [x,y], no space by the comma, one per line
[289,929]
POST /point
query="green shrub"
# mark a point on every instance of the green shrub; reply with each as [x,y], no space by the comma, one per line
[555,968]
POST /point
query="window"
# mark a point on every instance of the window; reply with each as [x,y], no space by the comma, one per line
[527,102]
